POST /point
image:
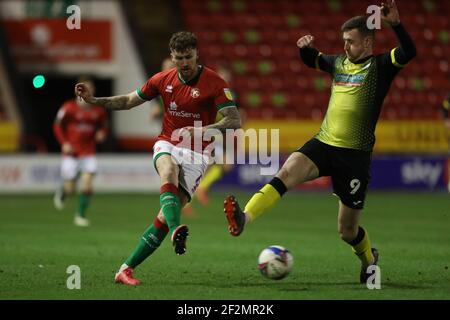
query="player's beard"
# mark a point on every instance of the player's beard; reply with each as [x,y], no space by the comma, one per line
[186,73]
[355,58]
[350,57]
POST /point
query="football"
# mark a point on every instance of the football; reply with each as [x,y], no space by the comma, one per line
[275,262]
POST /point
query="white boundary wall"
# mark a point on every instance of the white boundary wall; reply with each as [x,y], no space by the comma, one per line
[117,173]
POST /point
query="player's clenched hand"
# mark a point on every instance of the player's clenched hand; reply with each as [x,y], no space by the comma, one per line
[305,41]
[100,136]
[67,148]
[82,91]
[389,13]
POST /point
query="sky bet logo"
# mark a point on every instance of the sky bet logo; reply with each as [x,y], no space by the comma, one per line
[421,172]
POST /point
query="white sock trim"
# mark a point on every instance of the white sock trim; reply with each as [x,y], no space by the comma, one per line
[123,267]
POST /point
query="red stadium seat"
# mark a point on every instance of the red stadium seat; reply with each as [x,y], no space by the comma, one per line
[277,45]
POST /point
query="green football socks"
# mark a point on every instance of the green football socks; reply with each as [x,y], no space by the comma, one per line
[150,241]
[83,204]
[170,205]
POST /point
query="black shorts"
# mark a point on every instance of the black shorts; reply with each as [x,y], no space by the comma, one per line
[349,170]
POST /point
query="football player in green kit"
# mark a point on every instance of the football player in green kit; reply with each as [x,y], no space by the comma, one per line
[343,147]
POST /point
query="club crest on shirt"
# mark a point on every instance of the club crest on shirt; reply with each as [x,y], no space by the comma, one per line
[228,94]
[173,106]
[195,92]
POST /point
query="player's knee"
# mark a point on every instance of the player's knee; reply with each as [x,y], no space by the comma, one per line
[168,177]
[168,173]
[297,169]
[283,174]
[87,190]
[69,188]
[160,217]
[86,187]
[347,233]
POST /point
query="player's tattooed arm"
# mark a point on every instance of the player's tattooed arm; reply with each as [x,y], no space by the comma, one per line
[231,119]
[122,102]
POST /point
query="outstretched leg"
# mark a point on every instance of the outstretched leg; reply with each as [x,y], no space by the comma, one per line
[149,242]
[298,168]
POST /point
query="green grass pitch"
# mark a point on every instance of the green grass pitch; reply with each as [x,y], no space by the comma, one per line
[411,231]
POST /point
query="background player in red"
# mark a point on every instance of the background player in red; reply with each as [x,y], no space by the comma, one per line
[190,92]
[79,126]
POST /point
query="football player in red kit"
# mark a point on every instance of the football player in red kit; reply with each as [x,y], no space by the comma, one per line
[190,93]
[79,126]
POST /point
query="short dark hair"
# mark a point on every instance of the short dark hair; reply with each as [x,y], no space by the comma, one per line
[360,23]
[182,41]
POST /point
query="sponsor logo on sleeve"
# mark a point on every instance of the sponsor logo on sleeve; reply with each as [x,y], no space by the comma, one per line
[228,94]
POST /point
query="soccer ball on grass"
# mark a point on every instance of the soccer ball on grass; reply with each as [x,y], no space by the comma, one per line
[275,262]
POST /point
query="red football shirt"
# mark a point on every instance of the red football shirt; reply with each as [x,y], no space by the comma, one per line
[78,126]
[186,102]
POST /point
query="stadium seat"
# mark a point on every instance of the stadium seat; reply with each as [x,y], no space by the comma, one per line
[249,32]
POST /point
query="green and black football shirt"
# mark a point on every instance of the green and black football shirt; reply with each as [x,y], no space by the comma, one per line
[357,93]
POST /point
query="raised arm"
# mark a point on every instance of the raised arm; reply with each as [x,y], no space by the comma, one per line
[122,102]
[308,53]
[407,49]
[312,57]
